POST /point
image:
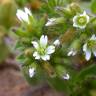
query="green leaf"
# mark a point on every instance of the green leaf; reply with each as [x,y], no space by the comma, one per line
[93,6]
[86,72]
[21,58]
[22,33]
[37,79]
[59,84]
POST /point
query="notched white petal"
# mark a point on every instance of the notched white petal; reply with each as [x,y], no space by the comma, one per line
[37,57]
[24,15]
[35,44]
[43,41]
[45,57]
[85,47]
[56,42]
[66,77]
[75,25]
[88,54]
[72,53]
[50,49]
[75,18]
[35,54]
[93,37]
[27,11]
[69,53]
[20,14]
[84,13]
[50,22]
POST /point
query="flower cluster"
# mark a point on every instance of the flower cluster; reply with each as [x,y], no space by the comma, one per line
[42,49]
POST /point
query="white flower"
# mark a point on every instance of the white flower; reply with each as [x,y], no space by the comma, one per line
[81,20]
[66,77]
[56,42]
[24,15]
[90,47]
[50,22]
[31,72]
[43,51]
[72,52]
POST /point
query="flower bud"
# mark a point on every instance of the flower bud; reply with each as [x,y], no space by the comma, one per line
[54,21]
[75,46]
[28,52]
[75,8]
[49,69]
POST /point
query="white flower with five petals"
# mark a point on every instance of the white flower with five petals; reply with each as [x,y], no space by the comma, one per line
[90,47]
[81,20]
[43,51]
[24,15]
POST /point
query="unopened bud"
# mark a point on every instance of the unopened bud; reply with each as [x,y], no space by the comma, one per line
[28,52]
[75,8]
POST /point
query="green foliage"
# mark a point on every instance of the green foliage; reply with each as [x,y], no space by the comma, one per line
[62,20]
[93,4]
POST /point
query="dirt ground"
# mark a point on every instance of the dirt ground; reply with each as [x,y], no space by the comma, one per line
[12,83]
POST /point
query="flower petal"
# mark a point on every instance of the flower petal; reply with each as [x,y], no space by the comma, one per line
[85,14]
[88,18]
[36,55]
[31,72]
[75,25]
[85,47]
[75,19]
[50,49]
[56,42]
[88,54]
[94,52]
[43,41]
[70,53]
[50,22]
[35,44]
[45,57]
[93,37]
[22,16]
[27,11]
[82,27]
[66,77]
